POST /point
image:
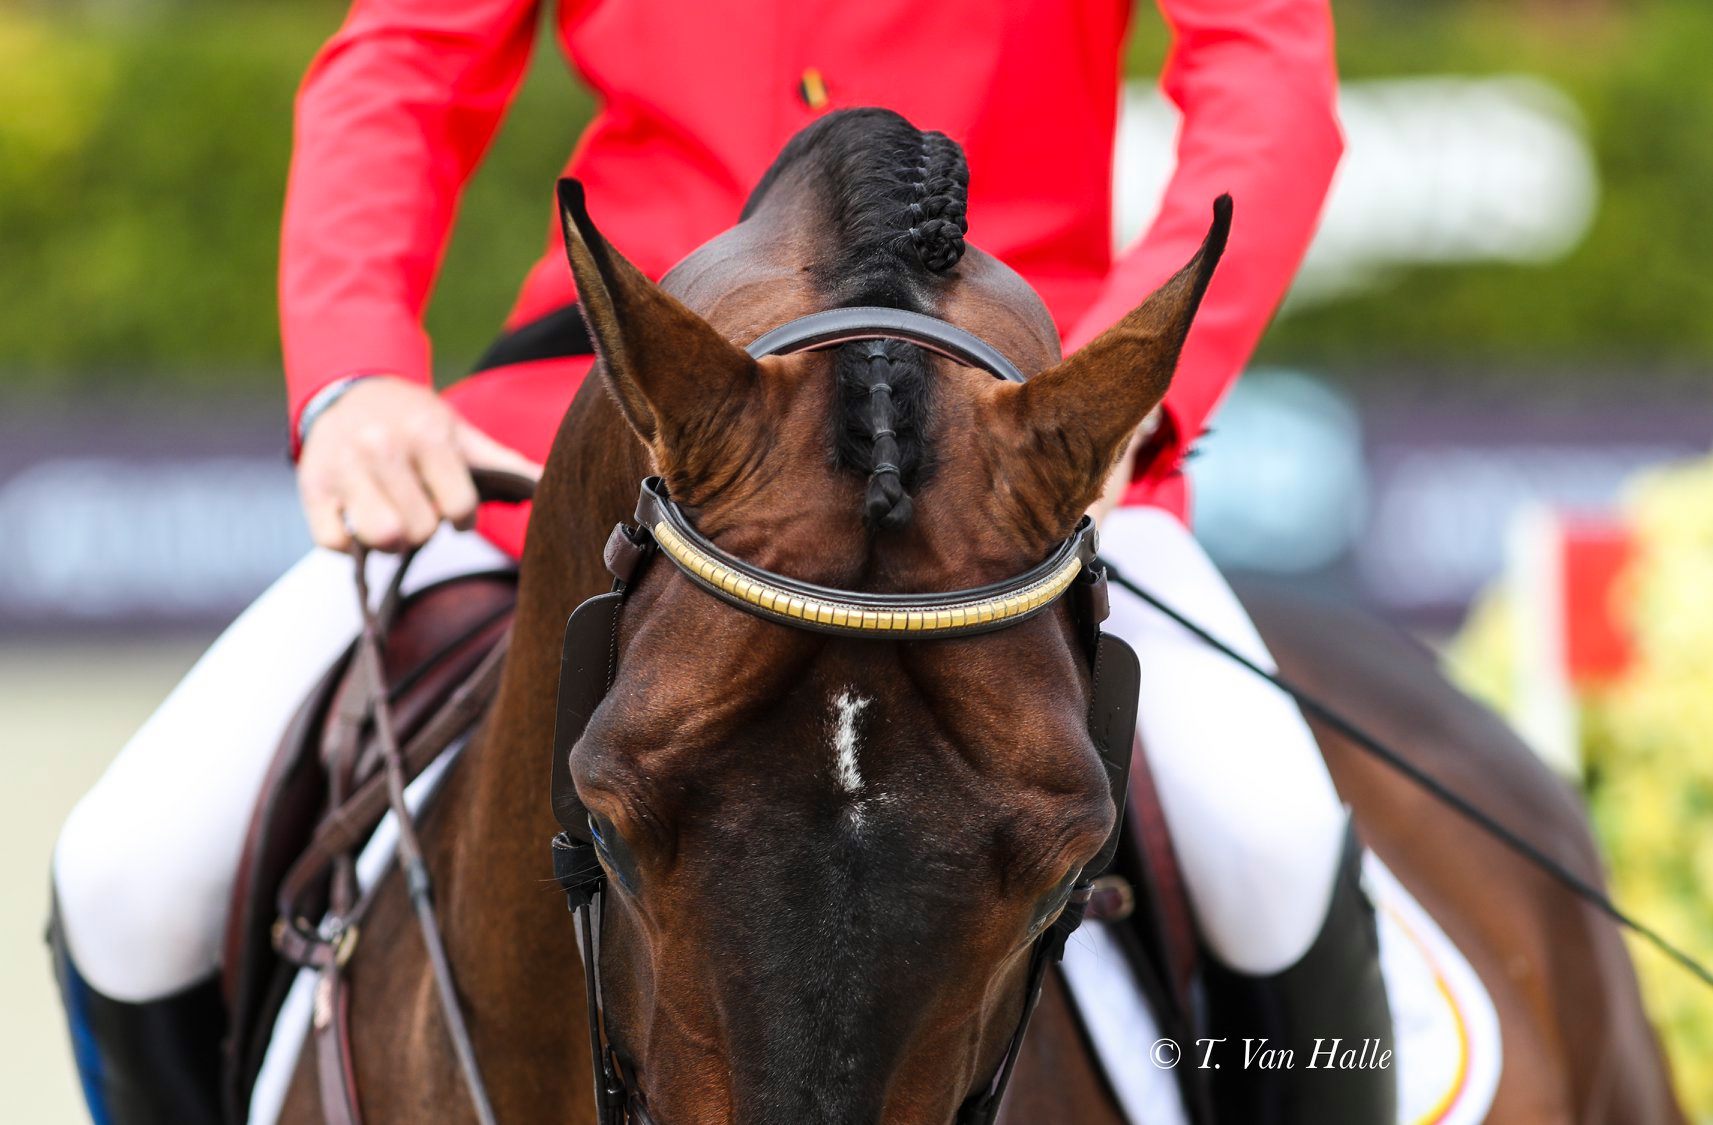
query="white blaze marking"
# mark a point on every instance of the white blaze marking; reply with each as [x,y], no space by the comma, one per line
[849,707]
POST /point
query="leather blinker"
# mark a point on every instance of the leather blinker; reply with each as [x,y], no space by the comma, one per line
[1112,726]
[585,673]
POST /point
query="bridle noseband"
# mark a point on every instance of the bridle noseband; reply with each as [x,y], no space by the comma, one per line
[662,529]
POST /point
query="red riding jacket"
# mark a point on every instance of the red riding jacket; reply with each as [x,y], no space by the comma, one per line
[697,98]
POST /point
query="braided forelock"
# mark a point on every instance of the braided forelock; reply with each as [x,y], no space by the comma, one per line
[896,212]
[883,391]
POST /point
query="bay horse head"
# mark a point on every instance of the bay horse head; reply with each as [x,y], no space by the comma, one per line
[829,855]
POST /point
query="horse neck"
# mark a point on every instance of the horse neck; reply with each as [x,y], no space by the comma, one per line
[493,826]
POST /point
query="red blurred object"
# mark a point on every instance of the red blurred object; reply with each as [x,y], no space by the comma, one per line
[1599,646]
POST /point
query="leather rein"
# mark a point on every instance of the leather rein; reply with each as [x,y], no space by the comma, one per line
[590,653]
[589,663]
[323,882]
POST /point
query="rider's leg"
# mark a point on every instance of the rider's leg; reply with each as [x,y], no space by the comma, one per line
[146,860]
[1258,827]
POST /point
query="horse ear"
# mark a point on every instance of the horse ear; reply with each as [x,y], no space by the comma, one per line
[674,375]
[1085,408]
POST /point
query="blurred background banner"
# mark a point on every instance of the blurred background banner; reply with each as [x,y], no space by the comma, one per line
[1505,325]
[169,517]
[1438,170]
[142,517]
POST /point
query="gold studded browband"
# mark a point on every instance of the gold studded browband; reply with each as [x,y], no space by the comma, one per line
[958,613]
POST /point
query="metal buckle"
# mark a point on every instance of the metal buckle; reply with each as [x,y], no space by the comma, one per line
[345,946]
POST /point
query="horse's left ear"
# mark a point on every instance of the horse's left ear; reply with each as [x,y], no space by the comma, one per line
[674,375]
[1080,413]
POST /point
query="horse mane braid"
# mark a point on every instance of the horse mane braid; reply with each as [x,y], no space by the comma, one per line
[896,207]
[897,197]
[881,385]
[939,215]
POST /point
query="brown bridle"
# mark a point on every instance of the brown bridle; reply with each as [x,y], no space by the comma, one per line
[662,528]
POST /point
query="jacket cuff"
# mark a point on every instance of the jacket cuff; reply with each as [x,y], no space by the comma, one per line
[340,349]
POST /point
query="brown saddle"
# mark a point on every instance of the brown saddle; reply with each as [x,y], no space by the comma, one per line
[440,668]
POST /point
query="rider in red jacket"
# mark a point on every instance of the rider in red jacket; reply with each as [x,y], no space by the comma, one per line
[695,101]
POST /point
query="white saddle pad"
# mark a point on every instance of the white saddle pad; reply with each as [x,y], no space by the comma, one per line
[1448,1053]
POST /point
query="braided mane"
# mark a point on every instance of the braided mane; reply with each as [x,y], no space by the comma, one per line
[898,199]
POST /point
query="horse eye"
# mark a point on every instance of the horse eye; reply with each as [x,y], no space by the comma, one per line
[614,853]
[1053,902]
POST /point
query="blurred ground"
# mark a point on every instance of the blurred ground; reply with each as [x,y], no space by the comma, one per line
[64,712]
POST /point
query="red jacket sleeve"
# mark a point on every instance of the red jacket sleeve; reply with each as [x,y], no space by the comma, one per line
[1256,83]
[392,118]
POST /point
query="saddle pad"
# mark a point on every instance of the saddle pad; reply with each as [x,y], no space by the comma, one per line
[1448,1043]
[1122,1027]
[1448,1031]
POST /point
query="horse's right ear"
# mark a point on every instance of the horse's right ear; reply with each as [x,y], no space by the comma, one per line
[1078,415]
[673,374]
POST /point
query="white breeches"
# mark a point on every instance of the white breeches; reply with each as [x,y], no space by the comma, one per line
[145,863]
[1253,814]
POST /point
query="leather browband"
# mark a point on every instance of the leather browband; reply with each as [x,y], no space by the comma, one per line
[958,613]
[803,605]
[841,326]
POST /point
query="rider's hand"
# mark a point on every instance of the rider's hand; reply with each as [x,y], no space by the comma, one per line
[387,461]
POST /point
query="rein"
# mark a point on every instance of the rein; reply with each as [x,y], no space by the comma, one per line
[355,809]
[410,859]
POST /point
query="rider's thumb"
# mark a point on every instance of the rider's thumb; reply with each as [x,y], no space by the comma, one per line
[482,452]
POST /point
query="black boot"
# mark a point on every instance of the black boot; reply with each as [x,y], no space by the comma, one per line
[155,1063]
[1329,1010]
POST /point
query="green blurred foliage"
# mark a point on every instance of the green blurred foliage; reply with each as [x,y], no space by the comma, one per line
[143,156]
[142,171]
[1639,289]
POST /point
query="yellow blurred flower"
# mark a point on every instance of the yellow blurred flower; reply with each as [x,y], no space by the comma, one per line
[1648,749]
